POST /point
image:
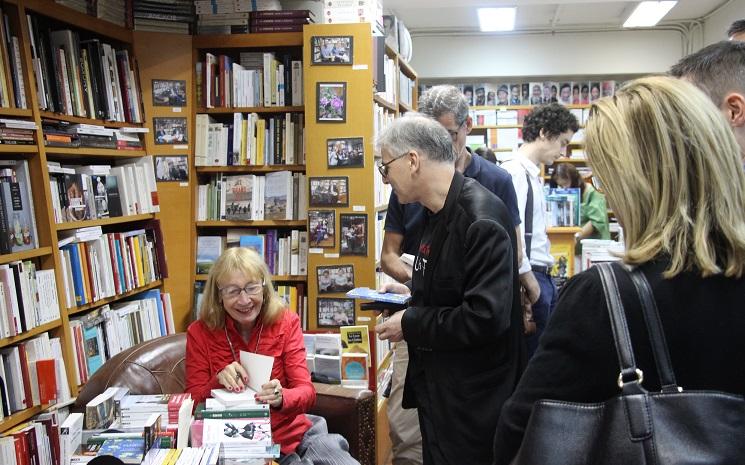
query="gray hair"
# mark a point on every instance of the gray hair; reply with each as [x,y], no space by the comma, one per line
[444,99]
[415,131]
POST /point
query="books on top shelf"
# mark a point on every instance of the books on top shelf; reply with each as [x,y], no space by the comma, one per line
[280,20]
[86,78]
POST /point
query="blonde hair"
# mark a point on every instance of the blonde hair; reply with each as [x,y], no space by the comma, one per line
[671,169]
[252,266]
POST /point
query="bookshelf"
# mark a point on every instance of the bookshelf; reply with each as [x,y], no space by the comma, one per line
[46,255]
[259,160]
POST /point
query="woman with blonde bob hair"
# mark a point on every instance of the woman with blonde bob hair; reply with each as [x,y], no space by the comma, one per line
[672,173]
[242,312]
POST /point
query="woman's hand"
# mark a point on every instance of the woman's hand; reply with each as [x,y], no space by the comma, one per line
[271,393]
[233,377]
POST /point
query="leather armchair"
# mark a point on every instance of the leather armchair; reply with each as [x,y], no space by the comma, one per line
[158,366]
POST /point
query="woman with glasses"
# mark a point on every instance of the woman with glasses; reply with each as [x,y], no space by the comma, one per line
[241,311]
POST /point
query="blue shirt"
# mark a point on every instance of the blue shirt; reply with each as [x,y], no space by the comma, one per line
[408,219]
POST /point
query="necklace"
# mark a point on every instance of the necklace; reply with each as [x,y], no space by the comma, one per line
[230,343]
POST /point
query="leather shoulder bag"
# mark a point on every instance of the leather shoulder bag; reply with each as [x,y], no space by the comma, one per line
[671,426]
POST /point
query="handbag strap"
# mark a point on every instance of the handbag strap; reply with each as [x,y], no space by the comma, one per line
[528,216]
[630,377]
[656,333]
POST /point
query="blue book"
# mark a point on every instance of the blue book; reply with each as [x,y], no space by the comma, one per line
[371,294]
[128,450]
[155,294]
[77,274]
[93,350]
[253,242]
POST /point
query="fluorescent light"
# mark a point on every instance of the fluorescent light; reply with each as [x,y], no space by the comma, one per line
[648,14]
[497,19]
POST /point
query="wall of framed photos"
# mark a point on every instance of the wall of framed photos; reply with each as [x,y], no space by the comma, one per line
[338,83]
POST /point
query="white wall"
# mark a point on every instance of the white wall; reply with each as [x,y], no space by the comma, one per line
[568,54]
[715,28]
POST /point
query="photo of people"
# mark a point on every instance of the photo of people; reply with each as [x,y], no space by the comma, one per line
[594,91]
[170,130]
[345,153]
[321,228]
[480,95]
[525,93]
[565,93]
[503,95]
[329,192]
[171,169]
[332,102]
[609,88]
[575,93]
[335,312]
[536,93]
[491,94]
[336,278]
[353,234]
[514,94]
[468,93]
[168,93]
[584,98]
[331,50]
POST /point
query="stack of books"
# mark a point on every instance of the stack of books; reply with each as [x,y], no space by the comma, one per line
[229,16]
[280,20]
[134,410]
[174,16]
[17,132]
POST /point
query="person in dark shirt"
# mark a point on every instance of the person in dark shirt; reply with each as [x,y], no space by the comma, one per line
[662,152]
[464,321]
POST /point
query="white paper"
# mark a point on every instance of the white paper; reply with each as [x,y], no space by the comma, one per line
[258,367]
[358,208]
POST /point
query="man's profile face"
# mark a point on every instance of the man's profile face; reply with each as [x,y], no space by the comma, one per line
[458,132]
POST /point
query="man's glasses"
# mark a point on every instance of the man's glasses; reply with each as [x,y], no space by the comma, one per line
[233,292]
[383,167]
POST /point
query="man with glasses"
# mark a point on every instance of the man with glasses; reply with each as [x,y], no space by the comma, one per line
[403,230]
[463,323]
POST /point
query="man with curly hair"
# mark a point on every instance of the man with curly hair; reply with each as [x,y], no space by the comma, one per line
[547,130]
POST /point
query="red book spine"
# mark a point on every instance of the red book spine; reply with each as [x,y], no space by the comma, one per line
[47,376]
[20,440]
[25,375]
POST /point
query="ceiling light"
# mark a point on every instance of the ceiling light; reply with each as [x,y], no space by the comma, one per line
[497,19]
[648,14]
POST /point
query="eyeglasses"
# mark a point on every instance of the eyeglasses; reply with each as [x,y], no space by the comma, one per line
[383,167]
[233,292]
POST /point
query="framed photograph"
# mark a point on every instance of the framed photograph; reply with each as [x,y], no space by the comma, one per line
[322,228]
[168,93]
[171,168]
[170,130]
[348,152]
[333,313]
[329,192]
[332,102]
[335,278]
[353,234]
[331,50]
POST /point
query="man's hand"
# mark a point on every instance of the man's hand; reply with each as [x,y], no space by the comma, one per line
[395,288]
[531,287]
[391,328]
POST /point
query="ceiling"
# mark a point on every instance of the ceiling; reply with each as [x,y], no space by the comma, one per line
[423,16]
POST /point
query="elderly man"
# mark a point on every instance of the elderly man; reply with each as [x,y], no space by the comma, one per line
[464,322]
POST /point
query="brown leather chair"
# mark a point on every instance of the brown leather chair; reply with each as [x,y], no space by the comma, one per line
[158,366]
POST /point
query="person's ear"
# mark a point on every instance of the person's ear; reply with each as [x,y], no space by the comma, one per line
[469,125]
[414,160]
[734,109]
[542,134]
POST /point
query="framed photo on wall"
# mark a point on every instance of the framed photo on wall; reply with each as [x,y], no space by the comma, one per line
[173,168]
[332,313]
[347,152]
[170,130]
[329,191]
[353,234]
[331,98]
[169,93]
[335,278]
[321,228]
[331,50]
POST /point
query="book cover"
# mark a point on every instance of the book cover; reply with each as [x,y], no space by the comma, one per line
[371,294]
[238,196]
[209,248]
[46,373]
[18,204]
[128,450]
[278,196]
[254,242]
[354,369]
[355,339]
[237,431]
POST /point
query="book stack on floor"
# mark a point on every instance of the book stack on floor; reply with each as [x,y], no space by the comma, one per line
[228,16]
[280,20]
[237,423]
[174,16]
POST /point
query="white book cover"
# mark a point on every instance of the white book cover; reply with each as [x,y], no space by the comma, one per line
[328,344]
[71,436]
[232,432]
[63,388]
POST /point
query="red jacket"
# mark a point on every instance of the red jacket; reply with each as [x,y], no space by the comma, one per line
[208,352]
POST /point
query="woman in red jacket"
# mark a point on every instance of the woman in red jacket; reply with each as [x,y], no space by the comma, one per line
[241,311]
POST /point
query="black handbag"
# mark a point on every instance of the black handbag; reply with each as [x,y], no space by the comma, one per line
[672,426]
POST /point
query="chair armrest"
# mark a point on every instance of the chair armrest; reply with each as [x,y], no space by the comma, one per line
[351,413]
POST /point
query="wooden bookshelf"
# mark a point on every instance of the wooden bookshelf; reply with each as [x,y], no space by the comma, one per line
[78,20]
[275,278]
[16,112]
[270,40]
[89,152]
[81,120]
[25,255]
[225,110]
[250,169]
[252,224]
[20,417]
[30,333]
[18,148]
[384,103]
[118,297]
[104,221]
